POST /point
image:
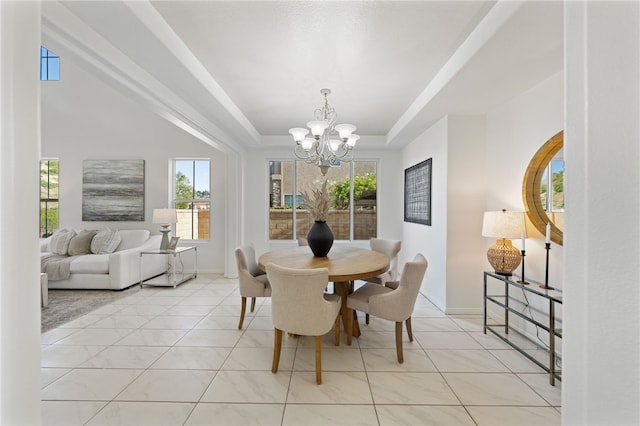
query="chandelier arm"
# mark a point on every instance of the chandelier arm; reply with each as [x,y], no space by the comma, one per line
[302,154]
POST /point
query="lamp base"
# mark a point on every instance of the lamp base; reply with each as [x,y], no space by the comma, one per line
[164,244]
[504,257]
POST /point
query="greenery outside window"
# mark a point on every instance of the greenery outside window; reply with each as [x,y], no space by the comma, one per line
[552,187]
[192,198]
[49,196]
[353,189]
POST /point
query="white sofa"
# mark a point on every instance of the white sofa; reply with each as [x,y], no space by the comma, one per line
[113,271]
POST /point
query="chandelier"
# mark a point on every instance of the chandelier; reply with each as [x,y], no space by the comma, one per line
[329,143]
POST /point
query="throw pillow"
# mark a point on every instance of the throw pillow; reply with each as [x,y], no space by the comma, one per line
[81,243]
[60,239]
[105,241]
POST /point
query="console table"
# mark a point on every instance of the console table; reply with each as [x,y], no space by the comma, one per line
[172,277]
[551,298]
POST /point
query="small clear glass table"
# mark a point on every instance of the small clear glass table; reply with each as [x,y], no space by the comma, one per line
[177,272]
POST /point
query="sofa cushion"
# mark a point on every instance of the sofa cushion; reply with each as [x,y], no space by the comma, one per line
[90,264]
[105,241]
[132,238]
[81,243]
[59,243]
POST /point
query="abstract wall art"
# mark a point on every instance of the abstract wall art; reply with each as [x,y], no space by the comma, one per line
[113,190]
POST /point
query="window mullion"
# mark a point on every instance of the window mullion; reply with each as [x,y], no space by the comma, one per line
[351,215]
[294,202]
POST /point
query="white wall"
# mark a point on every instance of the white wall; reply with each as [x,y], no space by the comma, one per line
[601,377]
[431,241]
[19,153]
[456,145]
[515,131]
[466,194]
[478,165]
[82,118]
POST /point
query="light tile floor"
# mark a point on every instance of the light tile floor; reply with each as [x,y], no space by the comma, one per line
[167,356]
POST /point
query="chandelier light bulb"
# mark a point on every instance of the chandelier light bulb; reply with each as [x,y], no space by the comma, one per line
[334,144]
[317,128]
[307,143]
[298,134]
[345,130]
[351,142]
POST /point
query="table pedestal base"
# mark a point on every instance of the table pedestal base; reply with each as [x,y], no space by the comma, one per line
[342,289]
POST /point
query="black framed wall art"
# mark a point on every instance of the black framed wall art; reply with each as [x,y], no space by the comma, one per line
[417,193]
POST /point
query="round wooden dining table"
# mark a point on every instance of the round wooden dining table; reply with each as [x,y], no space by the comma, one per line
[345,264]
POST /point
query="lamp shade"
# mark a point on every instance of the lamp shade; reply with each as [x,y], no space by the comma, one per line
[165,216]
[503,224]
[298,133]
[317,127]
[345,130]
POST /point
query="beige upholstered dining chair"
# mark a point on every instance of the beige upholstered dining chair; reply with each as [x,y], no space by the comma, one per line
[389,248]
[300,306]
[393,304]
[302,242]
[253,283]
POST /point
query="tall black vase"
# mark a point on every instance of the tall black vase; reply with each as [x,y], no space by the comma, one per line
[320,238]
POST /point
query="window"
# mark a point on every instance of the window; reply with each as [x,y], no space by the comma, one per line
[192,198]
[353,214]
[49,65]
[49,193]
[552,187]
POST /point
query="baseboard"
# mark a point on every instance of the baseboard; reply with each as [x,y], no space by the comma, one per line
[452,311]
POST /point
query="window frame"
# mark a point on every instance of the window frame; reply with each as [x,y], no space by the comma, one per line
[49,58]
[48,199]
[173,201]
[295,189]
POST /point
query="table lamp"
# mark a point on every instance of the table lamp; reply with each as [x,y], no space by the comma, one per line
[165,217]
[504,226]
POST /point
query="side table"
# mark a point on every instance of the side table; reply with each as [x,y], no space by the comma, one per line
[509,304]
[174,275]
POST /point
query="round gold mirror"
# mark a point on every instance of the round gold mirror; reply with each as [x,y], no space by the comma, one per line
[542,187]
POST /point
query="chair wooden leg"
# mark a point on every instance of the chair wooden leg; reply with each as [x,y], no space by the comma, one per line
[277,347]
[253,303]
[409,332]
[319,360]
[348,327]
[242,312]
[337,331]
[366,318]
[399,341]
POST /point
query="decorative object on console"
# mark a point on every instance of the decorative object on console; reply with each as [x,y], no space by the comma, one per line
[330,143]
[547,247]
[113,190]
[522,280]
[165,217]
[320,236]
[504,226]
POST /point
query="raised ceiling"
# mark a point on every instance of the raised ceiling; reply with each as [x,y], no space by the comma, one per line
[239,74]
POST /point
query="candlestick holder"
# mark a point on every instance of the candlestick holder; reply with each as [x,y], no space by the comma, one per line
[522,280]
[547,247]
